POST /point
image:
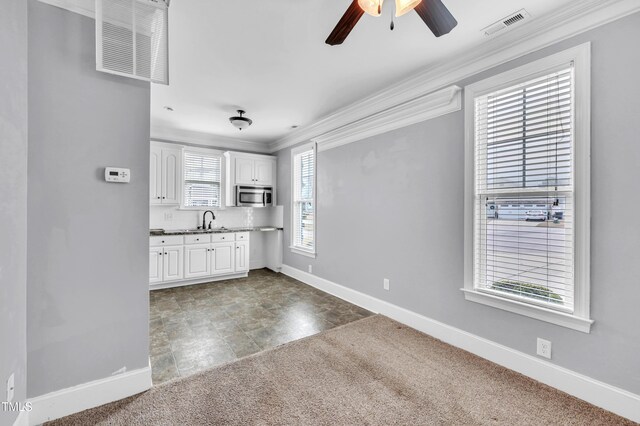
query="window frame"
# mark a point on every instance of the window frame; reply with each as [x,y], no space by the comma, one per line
[210,153]
[295,152]
[580,57]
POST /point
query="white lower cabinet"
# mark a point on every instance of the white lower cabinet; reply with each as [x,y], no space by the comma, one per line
[166,264]
[242,256]
[197,261]
[155,265]
[198,257]
[173,263]
[222,258]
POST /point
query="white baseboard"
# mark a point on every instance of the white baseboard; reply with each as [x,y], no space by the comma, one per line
[72,400]
[616,400]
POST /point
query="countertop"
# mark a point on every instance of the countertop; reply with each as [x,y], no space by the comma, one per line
[160,232]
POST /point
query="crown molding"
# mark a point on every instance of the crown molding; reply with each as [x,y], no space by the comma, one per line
[207,140]
[411,112]
[570,20]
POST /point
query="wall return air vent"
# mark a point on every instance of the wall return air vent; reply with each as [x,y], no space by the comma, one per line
[507,22]
[132,39]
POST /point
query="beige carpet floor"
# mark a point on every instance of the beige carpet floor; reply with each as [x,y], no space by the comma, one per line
[371,372]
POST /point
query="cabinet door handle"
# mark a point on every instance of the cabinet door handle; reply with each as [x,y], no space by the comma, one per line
[160,254]
[158,198]
[163,198]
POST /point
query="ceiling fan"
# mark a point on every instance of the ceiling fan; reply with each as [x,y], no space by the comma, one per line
[435,14]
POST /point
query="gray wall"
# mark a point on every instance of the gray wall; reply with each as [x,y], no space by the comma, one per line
[392,207]
[88,240]
[13,199]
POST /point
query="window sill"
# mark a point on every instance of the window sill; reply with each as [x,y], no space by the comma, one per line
[303,252]
[543,314]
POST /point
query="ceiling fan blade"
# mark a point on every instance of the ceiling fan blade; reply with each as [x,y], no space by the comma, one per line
[346,24]
[437,17]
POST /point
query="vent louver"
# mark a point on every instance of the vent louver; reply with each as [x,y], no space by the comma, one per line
[132,39]
[506,22]
[513,19]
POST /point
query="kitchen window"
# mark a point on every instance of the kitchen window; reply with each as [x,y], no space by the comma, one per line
[527,203]
[303,200]
[202,180]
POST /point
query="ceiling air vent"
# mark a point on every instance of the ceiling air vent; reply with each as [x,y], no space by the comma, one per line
[503,24]
[132,39]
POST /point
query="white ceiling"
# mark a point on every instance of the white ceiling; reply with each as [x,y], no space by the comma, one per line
[269,58]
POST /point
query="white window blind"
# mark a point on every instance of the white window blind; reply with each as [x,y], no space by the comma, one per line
[132,39]
[524,192]
[304,200]
[202,180]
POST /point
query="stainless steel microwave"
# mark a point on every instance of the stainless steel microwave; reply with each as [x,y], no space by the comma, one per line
[254,196]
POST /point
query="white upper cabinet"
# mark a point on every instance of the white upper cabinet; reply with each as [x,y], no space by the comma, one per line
[155,178]
[248,170]
[244,171]
[254,171]
[263,172]
[172,176]
[165,180]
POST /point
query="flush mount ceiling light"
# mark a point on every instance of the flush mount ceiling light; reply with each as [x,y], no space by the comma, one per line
[433,12]
[240,122]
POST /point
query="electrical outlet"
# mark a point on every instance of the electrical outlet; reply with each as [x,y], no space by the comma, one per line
[311,269]
[385,284]
[168,216]
[10,387]
[544,348]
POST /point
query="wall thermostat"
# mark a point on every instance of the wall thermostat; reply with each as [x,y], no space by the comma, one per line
[117,174]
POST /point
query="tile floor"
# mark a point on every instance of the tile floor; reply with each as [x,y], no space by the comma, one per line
[197,327]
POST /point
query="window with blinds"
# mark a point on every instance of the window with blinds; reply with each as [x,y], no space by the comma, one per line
[304,200]
[524,192]
[202,180]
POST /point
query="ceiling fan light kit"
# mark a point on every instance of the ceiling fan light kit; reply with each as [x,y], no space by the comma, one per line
[404,6]
[374,7]
[240,122]
[432,12]
[371,7]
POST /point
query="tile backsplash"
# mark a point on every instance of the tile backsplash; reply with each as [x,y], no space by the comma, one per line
[169,217]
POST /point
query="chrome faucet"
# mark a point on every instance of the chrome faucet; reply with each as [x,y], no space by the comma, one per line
[204,223]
